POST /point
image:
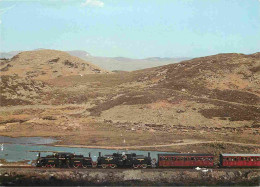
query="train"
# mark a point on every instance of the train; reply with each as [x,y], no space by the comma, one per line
[132,160]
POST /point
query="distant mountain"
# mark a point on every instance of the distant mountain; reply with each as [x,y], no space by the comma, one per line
[9,55]
[114,63]
[46,64]
[128,64]
[79,53]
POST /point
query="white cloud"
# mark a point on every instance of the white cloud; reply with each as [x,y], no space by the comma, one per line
[4,10]
[94,3]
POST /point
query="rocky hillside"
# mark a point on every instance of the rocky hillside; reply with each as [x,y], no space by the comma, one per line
[21,91]
[230,77]
[216,90]
[214,98]
[47,64]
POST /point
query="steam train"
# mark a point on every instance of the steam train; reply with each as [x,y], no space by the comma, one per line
[116,160]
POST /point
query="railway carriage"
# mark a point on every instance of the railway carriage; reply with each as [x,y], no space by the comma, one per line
[185,160]
[239,160]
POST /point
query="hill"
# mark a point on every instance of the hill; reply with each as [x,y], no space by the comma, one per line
[47,64]
[215,83]
[202,100]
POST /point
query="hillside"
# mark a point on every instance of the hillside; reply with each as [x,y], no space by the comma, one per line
[47,64]
[202,100]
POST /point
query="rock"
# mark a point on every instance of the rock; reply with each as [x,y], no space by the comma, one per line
[239,173]
[231,175]
[252,175]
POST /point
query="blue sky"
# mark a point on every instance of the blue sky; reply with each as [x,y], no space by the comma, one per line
[132,28]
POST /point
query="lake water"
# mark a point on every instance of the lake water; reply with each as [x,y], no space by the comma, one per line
[20,149]
[27,140]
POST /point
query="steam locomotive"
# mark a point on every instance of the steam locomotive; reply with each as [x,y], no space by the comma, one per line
[70,160]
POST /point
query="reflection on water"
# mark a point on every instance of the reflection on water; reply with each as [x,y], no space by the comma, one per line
[20,149]
[27,140]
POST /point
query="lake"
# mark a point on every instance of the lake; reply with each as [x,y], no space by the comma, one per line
[26,148]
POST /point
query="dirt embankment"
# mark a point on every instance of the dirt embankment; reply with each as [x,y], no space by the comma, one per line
[19,176]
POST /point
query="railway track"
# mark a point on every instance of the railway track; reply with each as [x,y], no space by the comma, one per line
[121,169]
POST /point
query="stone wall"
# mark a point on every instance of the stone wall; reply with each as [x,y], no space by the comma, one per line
[40,176]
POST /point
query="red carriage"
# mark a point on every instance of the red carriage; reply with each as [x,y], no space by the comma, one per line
[185,160]
[240,160]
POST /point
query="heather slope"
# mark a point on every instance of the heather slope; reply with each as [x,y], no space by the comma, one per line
[47,64]
[214,98]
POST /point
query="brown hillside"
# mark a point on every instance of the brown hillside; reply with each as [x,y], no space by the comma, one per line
[222,87]
[47,64]
[214,98]
[229,77]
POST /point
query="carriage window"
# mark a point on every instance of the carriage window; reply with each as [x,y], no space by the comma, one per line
[161,158]
[235,159]
[185,158]
[192,158]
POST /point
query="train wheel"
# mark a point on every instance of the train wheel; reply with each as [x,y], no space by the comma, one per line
[52,166]
[84,166]
[113,166]
[75,165]
[144,166]
[135,166]
[104,166]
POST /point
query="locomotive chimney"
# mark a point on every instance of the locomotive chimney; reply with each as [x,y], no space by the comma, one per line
[99,154]
[89,154]
[39,155]
[149,154]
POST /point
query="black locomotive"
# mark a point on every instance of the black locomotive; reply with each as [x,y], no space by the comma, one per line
[124,160]
[63,160]
[69,160]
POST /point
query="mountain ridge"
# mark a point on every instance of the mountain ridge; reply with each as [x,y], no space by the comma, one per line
[114,63]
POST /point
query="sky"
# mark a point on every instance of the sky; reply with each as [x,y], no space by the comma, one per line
[132,28]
